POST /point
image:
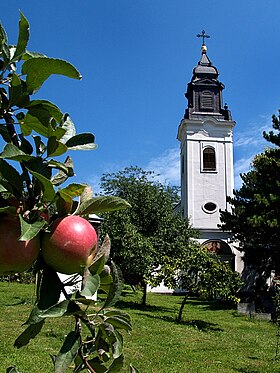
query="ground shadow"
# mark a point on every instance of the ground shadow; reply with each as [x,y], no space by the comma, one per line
[247,370]
[201,325]
[17,301]
[138,306]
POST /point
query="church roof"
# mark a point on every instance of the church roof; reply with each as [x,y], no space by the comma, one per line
[204,91]
[205,67]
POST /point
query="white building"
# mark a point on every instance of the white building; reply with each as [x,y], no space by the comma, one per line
[207,177]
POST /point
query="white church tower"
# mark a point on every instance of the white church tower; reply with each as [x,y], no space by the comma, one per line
[207,178]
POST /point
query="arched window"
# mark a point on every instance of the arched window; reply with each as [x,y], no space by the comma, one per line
[209,159]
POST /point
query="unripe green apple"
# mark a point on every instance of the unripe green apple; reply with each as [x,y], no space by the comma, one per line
[16,256]
[70,246]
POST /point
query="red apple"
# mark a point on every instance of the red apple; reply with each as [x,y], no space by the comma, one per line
[70,246]
[16,256]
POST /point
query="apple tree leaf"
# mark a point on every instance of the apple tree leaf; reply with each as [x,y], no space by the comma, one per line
[102,204]
[15,89]
[83,141]
[46,186]
[69,127]
[115,287]
[37,70]
[23,38]
[29,231]
[12,152]
[67,352]
[10,174]
[91,285]
[29,333]
[116,365]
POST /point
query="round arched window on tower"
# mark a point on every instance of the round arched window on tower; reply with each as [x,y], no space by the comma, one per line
[210,207]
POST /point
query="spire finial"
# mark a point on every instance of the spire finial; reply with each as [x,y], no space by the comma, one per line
[204,36]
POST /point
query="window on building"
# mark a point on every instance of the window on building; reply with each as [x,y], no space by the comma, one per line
[209,159]
[206,101]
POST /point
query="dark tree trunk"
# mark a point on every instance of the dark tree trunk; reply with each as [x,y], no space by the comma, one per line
[179,318]
[144,298]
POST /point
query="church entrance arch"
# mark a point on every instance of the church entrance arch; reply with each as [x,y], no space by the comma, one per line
[222,249]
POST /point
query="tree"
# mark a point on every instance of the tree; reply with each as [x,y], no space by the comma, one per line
[149,232]
[254,219]
[35,132]
[200,272]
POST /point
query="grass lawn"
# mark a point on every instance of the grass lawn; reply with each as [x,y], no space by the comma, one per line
[211,338]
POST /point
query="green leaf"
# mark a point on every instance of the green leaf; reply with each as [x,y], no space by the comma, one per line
[38,164]
[98,265]
[15,90]
[46,186]
[23,38]
[39,69]
[8,209]
[4,133]
[29,333]
[69,128]
[87,193]
[28,54]
[117,346]
[41,117]
[40,146]
[119,322]
[25,145]
[66,307]
[97,366]
[3,45]
[10,174]
[91,285]
[29,231]
[48,293]
[83,141]
[72,190]
[116,365]
[46,106]
[68,171]
[102,204]
[12,152]
[55,148]
[62,176]
[68,352]
[115,288]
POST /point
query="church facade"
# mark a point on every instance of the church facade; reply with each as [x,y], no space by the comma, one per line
[206,153]
[207,177]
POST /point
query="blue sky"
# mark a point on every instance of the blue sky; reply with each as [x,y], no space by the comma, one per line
[136,58]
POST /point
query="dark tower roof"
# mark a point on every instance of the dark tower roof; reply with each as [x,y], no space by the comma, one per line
[204,92]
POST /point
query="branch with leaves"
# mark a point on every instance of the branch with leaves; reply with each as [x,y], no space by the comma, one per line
[35,132]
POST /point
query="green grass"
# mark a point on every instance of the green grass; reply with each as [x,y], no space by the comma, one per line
[211,338]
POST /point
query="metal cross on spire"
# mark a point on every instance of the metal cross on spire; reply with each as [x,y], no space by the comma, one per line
[203,36]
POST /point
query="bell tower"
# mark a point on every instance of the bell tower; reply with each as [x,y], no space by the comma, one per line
[205,134]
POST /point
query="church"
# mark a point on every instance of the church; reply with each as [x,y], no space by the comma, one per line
[207,177]
[206,153]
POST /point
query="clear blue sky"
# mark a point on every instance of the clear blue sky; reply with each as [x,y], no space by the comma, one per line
[136,58]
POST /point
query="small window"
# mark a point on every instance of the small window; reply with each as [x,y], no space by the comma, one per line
[209,159]
[206,101]
[210,207]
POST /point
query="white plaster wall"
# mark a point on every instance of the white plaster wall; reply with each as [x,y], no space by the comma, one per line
[199,187]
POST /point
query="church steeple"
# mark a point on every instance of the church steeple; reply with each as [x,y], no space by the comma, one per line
[204,92]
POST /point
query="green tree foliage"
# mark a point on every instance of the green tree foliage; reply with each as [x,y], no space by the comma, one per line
[254,219]
[202,273]
[149,232]
[35,132]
